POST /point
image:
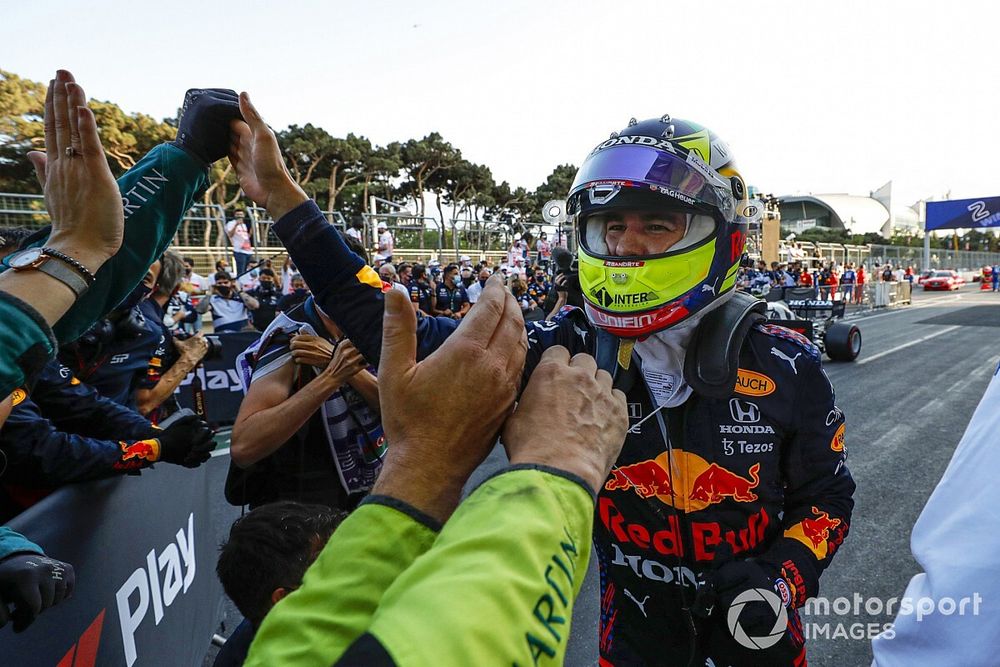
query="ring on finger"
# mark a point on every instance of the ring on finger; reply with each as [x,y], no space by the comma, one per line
[71,151]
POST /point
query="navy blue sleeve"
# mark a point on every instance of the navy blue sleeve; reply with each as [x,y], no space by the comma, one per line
[76,407]
[344,287]
[568,328]
[40,455]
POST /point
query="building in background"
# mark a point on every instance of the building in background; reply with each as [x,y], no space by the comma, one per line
[856,214]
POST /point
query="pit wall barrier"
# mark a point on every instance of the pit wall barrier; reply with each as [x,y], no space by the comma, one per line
[891,294]
[144,548]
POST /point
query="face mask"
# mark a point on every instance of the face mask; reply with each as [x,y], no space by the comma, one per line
[482,283]
[224,290]
[300,291]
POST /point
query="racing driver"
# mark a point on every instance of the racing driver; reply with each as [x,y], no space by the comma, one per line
[730,496]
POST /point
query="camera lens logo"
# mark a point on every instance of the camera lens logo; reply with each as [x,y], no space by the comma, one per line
[757,595]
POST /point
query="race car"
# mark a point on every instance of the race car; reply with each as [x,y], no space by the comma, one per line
[816,319]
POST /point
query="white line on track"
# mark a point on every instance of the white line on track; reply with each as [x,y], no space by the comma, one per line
[866,360]
[220,452]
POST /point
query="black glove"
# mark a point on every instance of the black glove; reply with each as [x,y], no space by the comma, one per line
[204,124]
[187,442]
[32,583]
[732,579]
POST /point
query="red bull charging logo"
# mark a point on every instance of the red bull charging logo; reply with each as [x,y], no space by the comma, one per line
[135,453]
[814,532]
[690,485]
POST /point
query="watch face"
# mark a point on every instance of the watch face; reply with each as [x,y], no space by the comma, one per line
[24,258]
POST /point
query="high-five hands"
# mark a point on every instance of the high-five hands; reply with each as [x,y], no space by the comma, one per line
[256,157]
[441,416]
[81,195]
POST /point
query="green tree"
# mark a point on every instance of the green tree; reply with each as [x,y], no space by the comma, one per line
[306,149]
[556,185]
[22,103]
[127,137]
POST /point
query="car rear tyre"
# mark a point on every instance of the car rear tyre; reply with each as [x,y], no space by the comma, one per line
[843,342]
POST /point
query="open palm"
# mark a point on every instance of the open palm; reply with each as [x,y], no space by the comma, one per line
[261,172]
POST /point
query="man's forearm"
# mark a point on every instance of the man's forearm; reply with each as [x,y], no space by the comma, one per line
[27,285]
[263,433]
[365,384]
[148,400]
[250,302]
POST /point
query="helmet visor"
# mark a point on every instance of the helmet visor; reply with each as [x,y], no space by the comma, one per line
[603,234]
[688,180]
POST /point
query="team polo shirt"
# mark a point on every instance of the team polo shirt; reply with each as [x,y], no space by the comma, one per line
[420,294]
[451,299]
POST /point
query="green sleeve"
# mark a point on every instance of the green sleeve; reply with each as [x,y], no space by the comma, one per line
[16,543]
[26,344]
[342,589]
[156,193]
[499,584]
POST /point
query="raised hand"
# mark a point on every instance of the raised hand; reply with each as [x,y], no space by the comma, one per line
[569,417]
[469,384]
[256,157]
[205,122]
[81,195]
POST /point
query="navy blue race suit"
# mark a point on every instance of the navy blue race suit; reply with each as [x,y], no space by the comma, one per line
[64,431]
[450,299]
[420,294]
[116,367]
[759,474]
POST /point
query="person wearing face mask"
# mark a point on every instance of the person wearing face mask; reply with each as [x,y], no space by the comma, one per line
[539,288]
[451,298]
[544,251]
[387,272]
[467,277]
[230,307]
[192,283]
[421,292]
[268,294]
[476,288]
[299,293]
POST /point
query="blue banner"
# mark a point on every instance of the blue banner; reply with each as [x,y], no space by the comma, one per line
[144,549]
[963,213]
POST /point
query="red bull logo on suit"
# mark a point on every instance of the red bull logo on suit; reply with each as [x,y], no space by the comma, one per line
[690,485]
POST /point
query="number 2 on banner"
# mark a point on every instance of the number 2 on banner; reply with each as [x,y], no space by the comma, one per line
[978,210]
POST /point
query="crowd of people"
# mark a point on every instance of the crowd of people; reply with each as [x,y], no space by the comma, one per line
[373,394]
[830,280]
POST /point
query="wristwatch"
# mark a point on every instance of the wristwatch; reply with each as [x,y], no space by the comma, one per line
[54,264]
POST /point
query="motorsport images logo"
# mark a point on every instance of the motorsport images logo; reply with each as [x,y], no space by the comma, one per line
[757,595]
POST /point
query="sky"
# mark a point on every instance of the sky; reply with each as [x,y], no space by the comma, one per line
[811,97]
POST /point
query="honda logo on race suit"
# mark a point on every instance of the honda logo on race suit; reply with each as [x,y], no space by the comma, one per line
[744,412]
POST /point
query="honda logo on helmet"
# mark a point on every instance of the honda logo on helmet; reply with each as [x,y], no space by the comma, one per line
[744,412]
